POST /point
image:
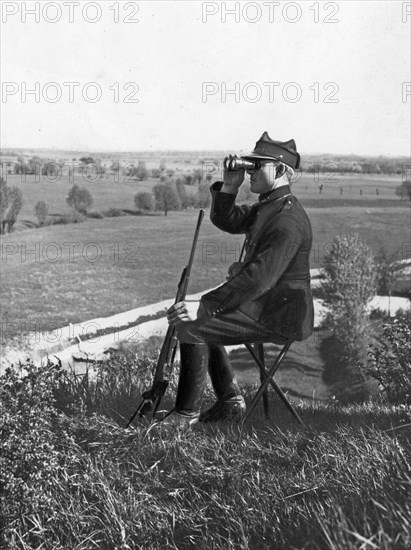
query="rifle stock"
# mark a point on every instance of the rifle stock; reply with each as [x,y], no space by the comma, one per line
[153,396]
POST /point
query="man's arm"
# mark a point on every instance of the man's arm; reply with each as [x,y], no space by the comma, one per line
[225,214]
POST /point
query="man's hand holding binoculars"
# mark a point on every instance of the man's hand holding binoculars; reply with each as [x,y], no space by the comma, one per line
[233,179]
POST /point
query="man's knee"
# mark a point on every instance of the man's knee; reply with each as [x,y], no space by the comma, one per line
[187,334]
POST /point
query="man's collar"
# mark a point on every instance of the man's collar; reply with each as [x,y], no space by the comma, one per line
[276,193]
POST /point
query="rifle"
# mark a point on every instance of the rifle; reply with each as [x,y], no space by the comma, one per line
[152,397]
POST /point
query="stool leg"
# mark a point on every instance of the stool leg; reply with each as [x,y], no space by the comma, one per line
[269,380]
[259,350]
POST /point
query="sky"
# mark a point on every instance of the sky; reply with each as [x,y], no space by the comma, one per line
[125,76]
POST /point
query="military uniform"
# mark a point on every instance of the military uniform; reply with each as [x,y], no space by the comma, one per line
[268,297]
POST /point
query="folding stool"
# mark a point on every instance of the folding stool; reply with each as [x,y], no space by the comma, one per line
[267,378]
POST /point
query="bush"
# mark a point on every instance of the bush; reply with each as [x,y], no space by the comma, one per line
[73,217]
[349,284]
[144,201]
[113,213]
[79,198]
[29,456]
[131,212]
[389,362]
[96,214]
[41,210]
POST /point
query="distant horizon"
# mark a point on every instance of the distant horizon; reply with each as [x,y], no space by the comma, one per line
[205,150]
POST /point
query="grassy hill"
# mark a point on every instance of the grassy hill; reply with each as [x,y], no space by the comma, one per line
[73,477]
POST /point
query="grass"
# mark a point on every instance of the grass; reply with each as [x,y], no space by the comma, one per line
[60,274]
[108,193]
[73,477]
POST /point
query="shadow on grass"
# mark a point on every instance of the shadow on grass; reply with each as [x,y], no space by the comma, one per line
[345,381]
[299,375]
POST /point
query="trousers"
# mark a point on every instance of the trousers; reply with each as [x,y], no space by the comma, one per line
[202,349]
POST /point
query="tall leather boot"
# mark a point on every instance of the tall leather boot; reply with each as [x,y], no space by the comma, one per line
[230,403]
[221,373]
[193,378]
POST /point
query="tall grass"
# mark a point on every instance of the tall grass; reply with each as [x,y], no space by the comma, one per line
[73,478]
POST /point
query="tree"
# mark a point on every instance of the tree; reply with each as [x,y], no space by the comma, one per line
[4,202]
[16,202]
[11,201]
[197,176]
[166,197]
[350,283]
[41,210]
[144,201]
[80,199]
[182,193]
[87,160]
[33,166]
[142,172]
[50,169]
[203,195]
[404,190]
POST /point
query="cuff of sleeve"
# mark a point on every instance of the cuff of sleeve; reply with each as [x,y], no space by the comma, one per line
[216,186]
[211,307]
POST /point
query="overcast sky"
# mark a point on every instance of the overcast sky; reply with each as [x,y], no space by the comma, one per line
[330,75]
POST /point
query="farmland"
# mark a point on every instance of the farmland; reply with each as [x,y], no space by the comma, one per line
[118,192]
[67,273]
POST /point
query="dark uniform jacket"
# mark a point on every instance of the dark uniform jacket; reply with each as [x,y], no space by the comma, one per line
[273,284]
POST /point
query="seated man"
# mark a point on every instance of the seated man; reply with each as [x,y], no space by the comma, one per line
[266,298]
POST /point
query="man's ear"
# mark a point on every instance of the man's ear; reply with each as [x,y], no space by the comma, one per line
[280,170]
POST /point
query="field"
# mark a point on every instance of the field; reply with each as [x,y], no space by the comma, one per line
[108,192]
[66,273]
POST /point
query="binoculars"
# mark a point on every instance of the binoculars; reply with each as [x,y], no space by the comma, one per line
[232,164]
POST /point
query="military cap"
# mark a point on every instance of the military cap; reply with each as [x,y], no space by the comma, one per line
[283,151]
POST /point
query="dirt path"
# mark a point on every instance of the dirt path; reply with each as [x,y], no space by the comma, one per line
[74,340]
